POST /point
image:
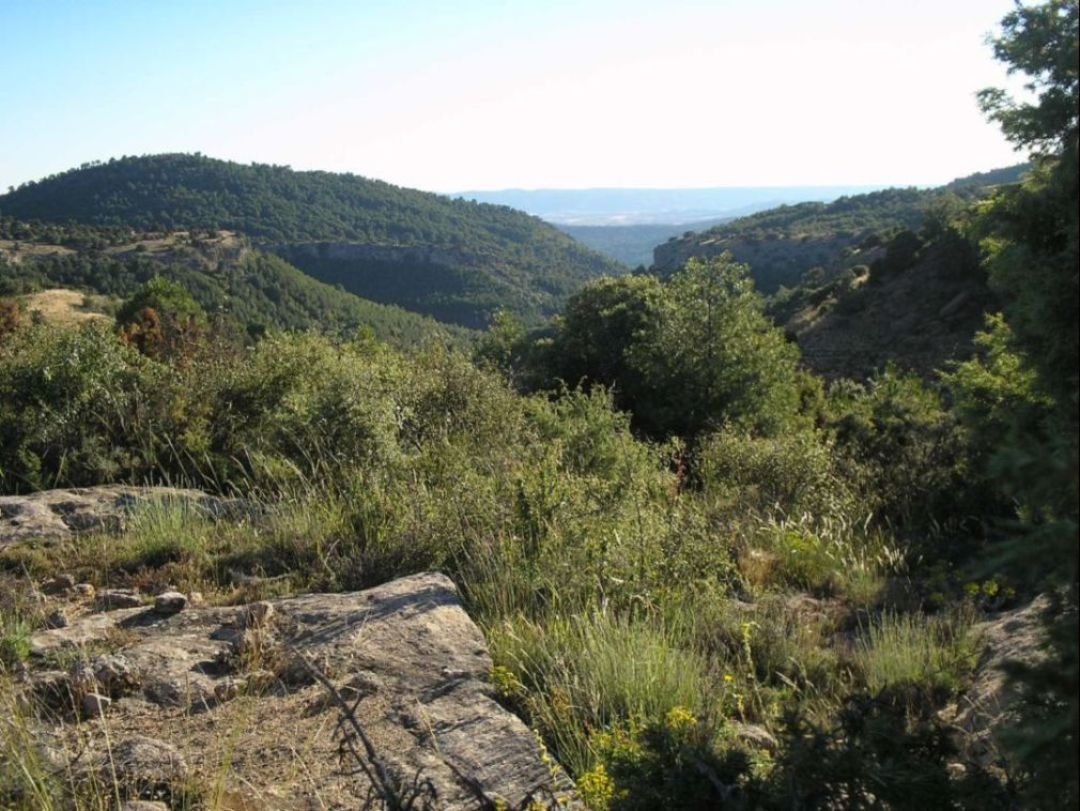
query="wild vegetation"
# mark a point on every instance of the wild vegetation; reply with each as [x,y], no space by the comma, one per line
[240,288]
[785,243]
[707,576]
[466,252]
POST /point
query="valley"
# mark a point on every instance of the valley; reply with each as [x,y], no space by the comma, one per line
[319,491]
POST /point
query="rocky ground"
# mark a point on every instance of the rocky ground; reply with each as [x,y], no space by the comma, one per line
[329,701]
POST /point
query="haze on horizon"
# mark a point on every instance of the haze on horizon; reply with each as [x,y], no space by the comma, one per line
[485,95]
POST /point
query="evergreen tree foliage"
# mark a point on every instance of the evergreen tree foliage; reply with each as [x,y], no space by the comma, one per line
[456,260]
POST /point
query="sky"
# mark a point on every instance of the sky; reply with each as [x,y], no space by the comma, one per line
[479,94]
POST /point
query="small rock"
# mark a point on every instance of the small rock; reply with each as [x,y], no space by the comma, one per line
[56,619]
[110,674]
[61,584]
[85,591]
[51,686]
[94,705]
[229,688]
[170,602]
[146,765]
[180,692]
[111,599]
[956,770]
[196,598]
[362,684]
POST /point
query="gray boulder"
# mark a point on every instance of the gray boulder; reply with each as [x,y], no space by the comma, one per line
[381,690]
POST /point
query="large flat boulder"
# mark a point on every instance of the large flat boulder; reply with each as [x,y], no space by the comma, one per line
[318,701]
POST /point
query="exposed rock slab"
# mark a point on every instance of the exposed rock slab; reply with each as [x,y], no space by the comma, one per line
[60,514]
[246,689]
[989,704]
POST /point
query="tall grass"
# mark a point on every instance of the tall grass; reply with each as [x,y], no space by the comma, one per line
[582,673]
[933,653]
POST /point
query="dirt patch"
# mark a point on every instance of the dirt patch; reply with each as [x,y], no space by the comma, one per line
[63,307]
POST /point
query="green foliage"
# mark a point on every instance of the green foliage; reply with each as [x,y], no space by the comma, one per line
[250,290]
[1031,236]
[715,358]
[901,253]
[998,402]
[598,331]
[502,345]
[14,642]
[928,654]
[675,761]
[876,755]
[76,407]
[783,243]
[901,448]
[1039,41]
[471,258]
[684,356]
[788,474]
[167,298]
[582,674]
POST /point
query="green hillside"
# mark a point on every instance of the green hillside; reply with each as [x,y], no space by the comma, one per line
[249,288]
[455,259]
[783,243]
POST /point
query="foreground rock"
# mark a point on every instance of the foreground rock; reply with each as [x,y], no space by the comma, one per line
[989,705]
[293,697]
[59,514]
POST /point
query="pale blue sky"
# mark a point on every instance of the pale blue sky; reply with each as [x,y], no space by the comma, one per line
[473,94]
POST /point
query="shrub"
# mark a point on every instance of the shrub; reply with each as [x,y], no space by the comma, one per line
[789,474]
[76,408]
[900,448]
[929,654]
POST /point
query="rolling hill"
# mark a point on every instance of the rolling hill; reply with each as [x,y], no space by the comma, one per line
[915,301]
[783,243]
[456,260]
[251,289]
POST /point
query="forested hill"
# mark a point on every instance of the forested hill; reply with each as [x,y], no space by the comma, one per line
[247,288]
[454,259]
[783,243]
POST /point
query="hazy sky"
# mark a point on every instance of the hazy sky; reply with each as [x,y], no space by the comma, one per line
[473,94]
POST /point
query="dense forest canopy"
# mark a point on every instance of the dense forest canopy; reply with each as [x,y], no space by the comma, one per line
[531,265]
[250,290]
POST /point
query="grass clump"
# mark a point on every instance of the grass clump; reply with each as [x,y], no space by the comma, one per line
[581,674]
[929,653]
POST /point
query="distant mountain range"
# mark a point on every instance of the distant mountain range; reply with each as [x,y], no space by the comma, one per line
[597,207]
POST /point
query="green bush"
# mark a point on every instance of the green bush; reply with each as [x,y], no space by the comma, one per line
[900,448]
[77,407]
[788,475]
